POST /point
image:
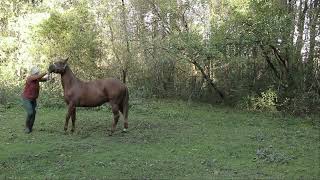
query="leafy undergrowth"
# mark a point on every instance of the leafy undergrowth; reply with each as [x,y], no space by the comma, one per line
[166,139]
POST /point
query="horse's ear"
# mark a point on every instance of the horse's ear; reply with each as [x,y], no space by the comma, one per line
[66,60]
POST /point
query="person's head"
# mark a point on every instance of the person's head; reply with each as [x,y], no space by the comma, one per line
[59,66]
[34,70]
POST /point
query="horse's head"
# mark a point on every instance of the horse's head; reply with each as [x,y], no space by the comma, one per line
[59,66]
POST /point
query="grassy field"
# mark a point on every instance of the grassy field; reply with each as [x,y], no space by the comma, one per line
[166,139]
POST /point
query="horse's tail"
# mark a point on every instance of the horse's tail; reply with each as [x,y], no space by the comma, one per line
[125,108]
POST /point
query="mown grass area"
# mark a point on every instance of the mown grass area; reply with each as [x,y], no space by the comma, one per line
[166,139]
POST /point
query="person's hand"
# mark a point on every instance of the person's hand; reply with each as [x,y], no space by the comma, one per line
[46,76]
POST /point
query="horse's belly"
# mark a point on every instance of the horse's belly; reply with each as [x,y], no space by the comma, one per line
[92,101]
[95,104]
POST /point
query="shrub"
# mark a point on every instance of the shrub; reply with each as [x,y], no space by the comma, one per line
[306,103]
[3,97]
[267,101]
[9,96]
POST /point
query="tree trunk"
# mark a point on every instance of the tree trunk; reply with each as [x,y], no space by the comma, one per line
[210,81]
[314,20]
[300,26]
[268,59]
[126,35]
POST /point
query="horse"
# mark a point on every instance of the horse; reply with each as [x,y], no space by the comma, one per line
[78,93]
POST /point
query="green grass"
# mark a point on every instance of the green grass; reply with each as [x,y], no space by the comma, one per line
[166,139]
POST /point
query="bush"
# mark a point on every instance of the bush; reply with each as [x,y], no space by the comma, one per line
[306,103]
[267,101]
[51,94]
[9,96]
[3,97]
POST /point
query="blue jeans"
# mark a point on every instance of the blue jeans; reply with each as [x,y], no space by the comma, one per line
[30,107]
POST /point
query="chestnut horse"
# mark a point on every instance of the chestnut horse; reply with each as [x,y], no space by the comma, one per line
[78,93]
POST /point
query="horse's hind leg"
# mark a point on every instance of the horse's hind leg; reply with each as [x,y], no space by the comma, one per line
[67,121]
[116,115]
[124,111]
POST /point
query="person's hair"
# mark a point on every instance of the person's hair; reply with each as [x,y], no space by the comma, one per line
[34,70]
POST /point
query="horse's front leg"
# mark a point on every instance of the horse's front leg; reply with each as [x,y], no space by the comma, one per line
[69,113]
[73,118]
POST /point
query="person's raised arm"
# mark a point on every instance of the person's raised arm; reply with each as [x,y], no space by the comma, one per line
[45,77]
[37,77]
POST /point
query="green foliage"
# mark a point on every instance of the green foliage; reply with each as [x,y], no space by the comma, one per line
[10,95]
[268,101]
[269,21]
[3,96]
[51,94]
[169,48]
[303,105]
[72,34]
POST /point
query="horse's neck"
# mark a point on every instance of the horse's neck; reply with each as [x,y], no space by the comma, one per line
[68,79]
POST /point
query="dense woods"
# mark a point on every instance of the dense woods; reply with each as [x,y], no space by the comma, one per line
[251,54]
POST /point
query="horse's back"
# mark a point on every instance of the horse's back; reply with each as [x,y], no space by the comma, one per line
[112,87]
[115,89]
[109,83]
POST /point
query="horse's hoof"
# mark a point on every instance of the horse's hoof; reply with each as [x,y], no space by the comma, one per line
[124,130]
[72,130]
[110,134]
[27,131]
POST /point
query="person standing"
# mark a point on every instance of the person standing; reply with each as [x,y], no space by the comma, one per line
[30,95]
